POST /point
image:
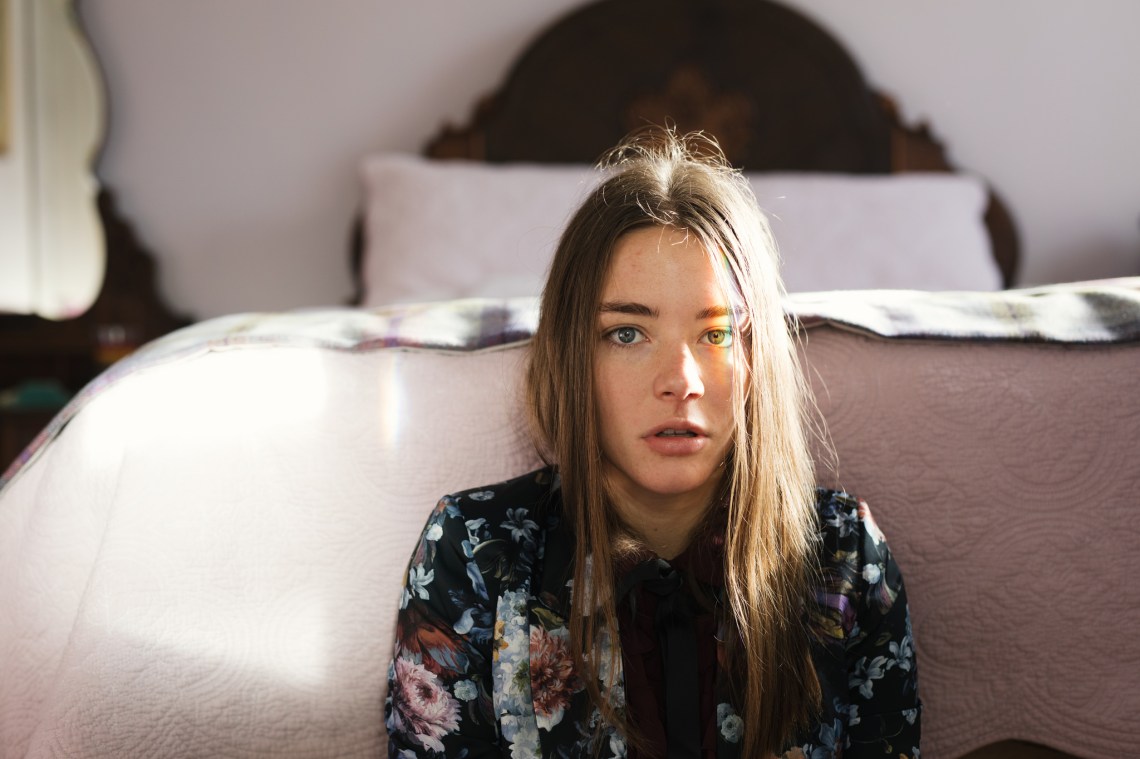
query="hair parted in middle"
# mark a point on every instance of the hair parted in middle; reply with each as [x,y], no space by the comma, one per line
[657,178]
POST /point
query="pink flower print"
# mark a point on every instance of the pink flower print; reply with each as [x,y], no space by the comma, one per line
[552,677]
[422,709]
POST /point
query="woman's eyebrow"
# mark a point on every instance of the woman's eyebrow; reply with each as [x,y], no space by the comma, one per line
[722,311]
[640,309]
[718,312]
[625,307]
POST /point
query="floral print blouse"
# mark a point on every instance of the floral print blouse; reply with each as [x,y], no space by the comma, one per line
[482,663]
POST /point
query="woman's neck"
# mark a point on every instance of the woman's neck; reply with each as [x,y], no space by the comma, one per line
[666,523]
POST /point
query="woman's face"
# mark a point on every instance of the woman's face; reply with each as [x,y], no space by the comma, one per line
[663,371]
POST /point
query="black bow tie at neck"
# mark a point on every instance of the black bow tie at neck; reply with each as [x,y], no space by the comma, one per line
[677,639]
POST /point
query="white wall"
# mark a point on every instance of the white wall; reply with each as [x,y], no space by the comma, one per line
[1040,96]
[237,126]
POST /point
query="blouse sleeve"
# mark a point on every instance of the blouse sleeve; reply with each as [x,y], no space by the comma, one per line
[884,709]
[439,700]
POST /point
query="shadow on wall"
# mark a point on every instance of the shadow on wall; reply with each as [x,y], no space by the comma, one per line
[1098,259]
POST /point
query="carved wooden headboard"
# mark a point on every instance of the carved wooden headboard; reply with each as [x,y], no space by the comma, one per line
[777,91]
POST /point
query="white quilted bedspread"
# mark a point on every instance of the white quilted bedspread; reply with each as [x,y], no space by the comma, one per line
[206,561]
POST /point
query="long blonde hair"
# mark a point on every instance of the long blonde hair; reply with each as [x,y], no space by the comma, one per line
[658,178]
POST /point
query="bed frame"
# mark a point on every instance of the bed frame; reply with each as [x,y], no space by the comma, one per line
[777,91]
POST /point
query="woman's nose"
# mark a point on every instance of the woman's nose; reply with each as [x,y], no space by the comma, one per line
[679,375]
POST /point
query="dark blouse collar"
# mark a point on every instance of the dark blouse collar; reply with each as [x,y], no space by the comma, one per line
[703,558]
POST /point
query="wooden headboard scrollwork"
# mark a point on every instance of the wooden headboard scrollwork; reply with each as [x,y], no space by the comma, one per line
[777,91]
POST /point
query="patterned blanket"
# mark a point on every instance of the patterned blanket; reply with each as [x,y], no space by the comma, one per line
[1101,312]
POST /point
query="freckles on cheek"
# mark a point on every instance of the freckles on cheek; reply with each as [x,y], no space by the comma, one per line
[608,384]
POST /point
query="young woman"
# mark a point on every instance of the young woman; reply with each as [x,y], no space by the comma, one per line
[673,584]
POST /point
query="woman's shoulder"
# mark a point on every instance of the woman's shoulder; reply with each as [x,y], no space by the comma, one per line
[478,538]
[517,510]
[845,520]
[855,560]
[528,491]
[852,546]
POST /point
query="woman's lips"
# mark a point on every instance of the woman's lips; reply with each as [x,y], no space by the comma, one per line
[681,439]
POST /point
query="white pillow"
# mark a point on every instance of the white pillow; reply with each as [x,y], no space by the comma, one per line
[438,230]
[886,231]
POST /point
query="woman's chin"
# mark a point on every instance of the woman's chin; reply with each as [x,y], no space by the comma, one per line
[662,484]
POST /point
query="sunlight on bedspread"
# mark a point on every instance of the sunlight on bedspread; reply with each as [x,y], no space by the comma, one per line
[235,593]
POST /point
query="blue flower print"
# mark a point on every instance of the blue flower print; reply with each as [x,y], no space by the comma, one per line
[829,736]
[465,690]
[730,724]
[519,526]
[418,581]
[522,735]
[477,583]
[474,526]
[903,653]
[843,520]
[865,673]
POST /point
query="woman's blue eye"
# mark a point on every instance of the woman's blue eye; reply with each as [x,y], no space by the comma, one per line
[625,335]
[719,337]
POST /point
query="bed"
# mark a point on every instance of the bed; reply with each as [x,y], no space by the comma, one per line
[202,554]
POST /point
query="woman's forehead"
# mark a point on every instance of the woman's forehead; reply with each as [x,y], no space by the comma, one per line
[669,264]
